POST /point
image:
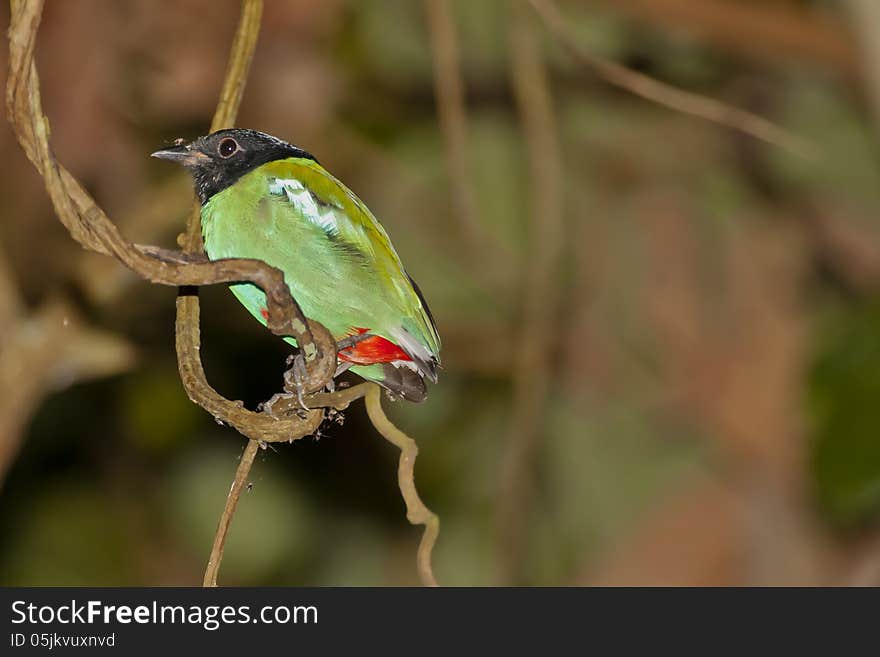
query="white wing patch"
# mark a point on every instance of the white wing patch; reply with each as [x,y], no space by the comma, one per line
[318,213]
[407,364]
[420,353]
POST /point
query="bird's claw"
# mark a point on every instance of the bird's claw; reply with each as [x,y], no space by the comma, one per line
[351,340]
[269,406]
[295,380]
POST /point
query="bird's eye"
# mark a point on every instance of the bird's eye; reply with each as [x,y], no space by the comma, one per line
[227,148]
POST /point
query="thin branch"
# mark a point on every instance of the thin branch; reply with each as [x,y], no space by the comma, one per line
[187,324]
[541,295]
[761,31]
[339,399]
[241,55]
[865,18]
[56,349]
[87,222]
[257,426]
[670,96]
[449,89]
[416,511]
[92,228]
[11,307]
[863,568]
[238,484]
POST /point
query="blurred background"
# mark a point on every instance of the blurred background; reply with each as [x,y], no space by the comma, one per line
[661,338]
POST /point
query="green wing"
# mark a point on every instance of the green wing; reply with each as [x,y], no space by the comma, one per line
[337,258]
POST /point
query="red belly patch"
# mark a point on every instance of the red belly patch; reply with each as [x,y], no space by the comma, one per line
[374,349]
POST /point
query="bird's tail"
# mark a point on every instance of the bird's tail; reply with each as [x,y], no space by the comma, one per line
[400,380]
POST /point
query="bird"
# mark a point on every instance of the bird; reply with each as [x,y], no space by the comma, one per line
[264,198]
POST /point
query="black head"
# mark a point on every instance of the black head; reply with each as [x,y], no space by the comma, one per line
[217,160]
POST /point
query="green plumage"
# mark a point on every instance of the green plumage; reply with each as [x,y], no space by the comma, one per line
[336,257]
[266,199]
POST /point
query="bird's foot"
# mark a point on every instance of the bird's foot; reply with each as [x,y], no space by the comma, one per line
[295,380]
[351,340]
[282,404]
[295,389]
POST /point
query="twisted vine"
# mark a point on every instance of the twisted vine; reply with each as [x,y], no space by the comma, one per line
[90,226]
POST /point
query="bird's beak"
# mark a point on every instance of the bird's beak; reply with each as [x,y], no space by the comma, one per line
[182,155]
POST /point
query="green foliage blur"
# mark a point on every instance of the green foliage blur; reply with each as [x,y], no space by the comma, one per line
[714,416]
